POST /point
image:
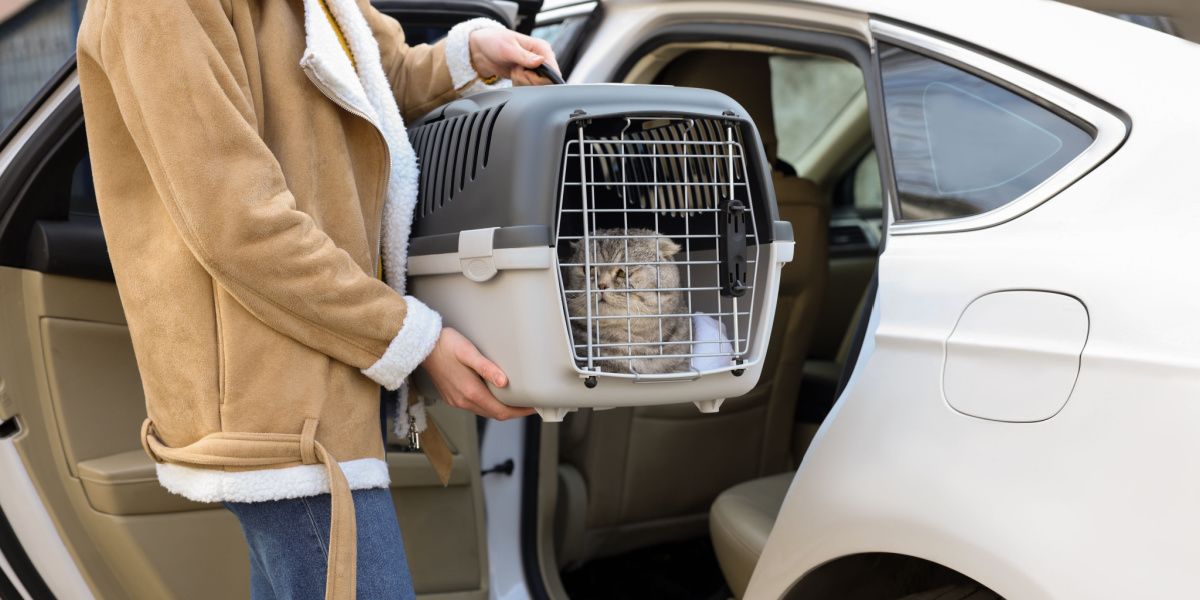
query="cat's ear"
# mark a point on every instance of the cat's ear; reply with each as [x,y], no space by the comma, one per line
[667,247]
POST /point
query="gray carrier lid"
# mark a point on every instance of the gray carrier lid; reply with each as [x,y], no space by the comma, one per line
[496,159]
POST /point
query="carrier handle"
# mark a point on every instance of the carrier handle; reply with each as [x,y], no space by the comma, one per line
[545,71]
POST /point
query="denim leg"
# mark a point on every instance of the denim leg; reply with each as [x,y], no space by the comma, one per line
[260,584]
[289,538]
[287,551]
[382,565]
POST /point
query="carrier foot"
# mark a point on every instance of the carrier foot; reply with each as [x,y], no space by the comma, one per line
[553,415]
[709,406]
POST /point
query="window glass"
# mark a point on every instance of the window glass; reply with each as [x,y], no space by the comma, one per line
[83,195]
[868,188]
[549,32]
[962,145]
[36,39]
[564,38]
[1155,22]
[807,94]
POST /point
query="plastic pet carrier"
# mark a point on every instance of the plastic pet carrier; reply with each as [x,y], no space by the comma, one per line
[606,245]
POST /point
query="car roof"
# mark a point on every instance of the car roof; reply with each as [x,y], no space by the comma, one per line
[1129,65]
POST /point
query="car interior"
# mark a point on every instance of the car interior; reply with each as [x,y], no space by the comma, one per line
[665,493]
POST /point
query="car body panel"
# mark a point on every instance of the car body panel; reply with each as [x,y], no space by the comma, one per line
[1032,510]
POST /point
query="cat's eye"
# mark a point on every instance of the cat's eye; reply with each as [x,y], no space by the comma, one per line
[620,274]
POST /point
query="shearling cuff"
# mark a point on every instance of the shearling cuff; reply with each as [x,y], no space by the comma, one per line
[458,57]
[409,404]
[406,351]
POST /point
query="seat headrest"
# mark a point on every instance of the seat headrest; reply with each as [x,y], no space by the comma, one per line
[744,76]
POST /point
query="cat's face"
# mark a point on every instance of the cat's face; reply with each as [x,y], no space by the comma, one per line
[629,283]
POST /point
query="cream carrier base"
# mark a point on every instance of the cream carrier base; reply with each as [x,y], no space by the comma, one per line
[534,205]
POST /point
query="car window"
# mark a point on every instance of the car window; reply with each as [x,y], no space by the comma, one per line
[962,145]
[1155,22]
[868,188]
[807,94]
[566,35]
[36,39]
[551,32]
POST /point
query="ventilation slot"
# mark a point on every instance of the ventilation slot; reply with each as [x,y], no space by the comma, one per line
[452,154]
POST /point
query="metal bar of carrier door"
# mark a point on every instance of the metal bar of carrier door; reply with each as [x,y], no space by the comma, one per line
[587,246]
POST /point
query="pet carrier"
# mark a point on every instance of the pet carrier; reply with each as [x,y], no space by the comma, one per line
[605,245]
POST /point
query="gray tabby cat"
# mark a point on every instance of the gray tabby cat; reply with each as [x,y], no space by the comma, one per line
[636,271]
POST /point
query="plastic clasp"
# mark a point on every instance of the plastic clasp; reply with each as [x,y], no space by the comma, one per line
[475,254]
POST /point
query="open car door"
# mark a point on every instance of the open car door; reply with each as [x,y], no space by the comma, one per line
[82,512]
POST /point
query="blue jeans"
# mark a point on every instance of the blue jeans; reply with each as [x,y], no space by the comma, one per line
[289,544]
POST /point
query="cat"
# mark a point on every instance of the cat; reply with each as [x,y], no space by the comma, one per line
[654,296]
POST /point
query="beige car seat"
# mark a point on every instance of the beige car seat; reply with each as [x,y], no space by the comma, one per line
[742,516]
[635,477]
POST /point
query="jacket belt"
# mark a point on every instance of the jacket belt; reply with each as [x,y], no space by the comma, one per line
[225,449]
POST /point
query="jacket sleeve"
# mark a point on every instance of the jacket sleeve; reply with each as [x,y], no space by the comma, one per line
[426,76]
[168,63]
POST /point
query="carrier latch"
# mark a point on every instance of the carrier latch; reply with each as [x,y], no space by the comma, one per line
[733,247]
[475,254]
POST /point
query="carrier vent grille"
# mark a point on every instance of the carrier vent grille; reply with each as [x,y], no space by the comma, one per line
[451,154]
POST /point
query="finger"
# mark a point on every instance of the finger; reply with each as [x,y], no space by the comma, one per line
[535,78]
[469,355]
[550,60]
[518,55]
[514,412]
[546,51]
[483,403]
[523,76]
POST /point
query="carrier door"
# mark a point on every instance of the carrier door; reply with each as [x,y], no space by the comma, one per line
[71,402]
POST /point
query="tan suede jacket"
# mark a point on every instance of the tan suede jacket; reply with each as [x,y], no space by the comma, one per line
[247,175]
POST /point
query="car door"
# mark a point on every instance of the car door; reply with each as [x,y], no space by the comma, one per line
[81,513]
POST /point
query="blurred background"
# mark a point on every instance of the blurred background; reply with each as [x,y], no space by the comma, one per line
[36,39]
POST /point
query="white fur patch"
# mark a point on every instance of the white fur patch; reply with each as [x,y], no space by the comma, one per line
[210,485]
[406,351]
[458,56]
[326,61]
[410,405]
[402,184]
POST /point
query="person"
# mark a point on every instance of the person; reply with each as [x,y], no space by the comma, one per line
[254,179]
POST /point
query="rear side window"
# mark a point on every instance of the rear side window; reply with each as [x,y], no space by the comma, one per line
[962,145]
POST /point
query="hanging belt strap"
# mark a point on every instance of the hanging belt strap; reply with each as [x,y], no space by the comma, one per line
[277,450]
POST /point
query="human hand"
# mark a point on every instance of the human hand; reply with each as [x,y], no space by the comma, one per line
[506,53]
[458,371]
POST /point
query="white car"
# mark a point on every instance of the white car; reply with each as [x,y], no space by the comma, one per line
[985,364]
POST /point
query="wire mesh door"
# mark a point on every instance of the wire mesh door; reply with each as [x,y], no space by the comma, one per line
[657,246]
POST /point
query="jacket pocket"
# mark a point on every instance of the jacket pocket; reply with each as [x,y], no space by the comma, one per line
[219,343]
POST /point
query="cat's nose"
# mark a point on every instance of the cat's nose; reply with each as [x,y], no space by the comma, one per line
[602,285]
